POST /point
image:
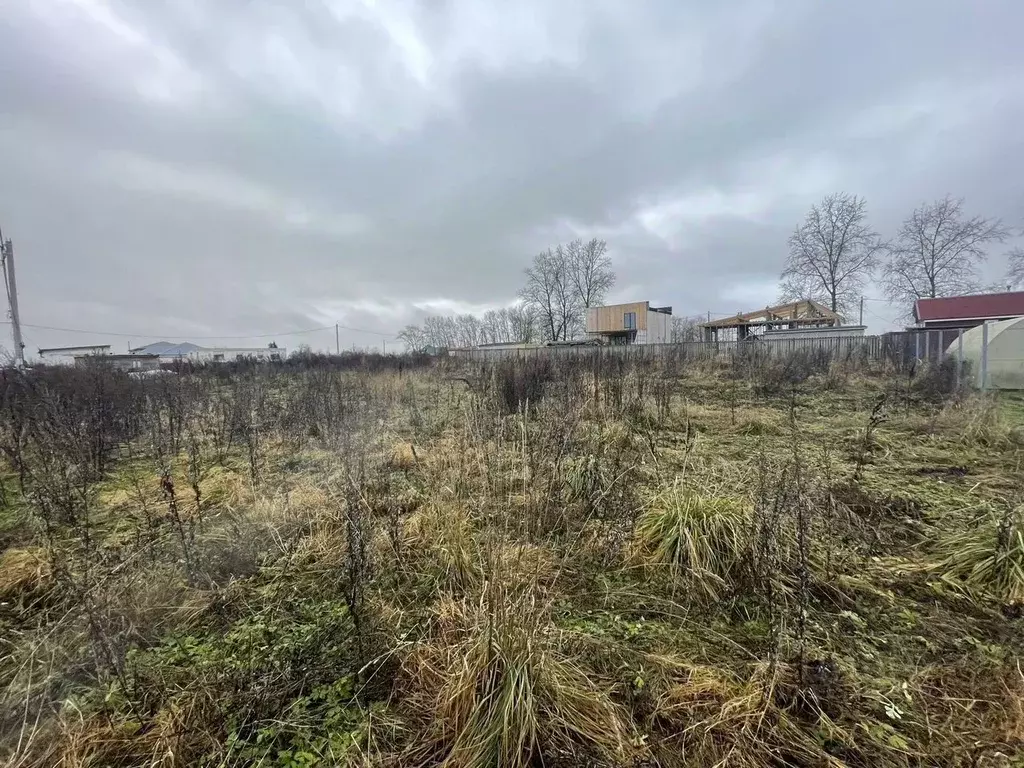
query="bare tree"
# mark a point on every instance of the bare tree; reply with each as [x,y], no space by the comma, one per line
[590,271]
[549,290]
[831,253]
[517,323]
[469,330]
[414,338]
[440,331]
[687,328]
[937,252]
[522,323]
[1015,272]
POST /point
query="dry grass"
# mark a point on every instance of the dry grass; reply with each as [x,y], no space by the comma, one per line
[488,610]
[495,685]
[24,572]
[709,716]
[403,456]
[443,536]
[988,559]
[700,537]
[978,420]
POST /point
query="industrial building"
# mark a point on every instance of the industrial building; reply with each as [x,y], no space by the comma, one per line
[634,323]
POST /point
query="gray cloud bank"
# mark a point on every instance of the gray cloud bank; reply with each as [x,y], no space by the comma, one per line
[186,169]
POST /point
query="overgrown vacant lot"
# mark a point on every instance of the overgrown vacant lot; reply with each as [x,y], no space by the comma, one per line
[564,563]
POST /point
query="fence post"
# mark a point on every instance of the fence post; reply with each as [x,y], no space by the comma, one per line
[917,346]
[984,355]
[959,356]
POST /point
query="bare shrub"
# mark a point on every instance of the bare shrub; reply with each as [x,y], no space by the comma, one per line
[518,382]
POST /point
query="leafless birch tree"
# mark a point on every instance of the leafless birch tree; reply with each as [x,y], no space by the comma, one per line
[687,328]
[549,290]
[937,252]
[590,271]
[831,253]
[1015,272]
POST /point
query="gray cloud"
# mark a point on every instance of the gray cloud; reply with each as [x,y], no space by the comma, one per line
[191,169]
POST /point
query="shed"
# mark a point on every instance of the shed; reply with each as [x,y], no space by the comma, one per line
[1003,360]
[954,312]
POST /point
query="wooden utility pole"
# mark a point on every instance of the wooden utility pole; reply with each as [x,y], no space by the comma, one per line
[337,340]
[7,262]
[861,322]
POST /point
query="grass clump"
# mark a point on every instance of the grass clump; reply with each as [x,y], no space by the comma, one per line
[989,559]
[499,688]
[708,716]
[701,537]
[23,572]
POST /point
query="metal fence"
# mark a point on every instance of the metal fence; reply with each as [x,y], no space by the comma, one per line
[902,349]
[863,347]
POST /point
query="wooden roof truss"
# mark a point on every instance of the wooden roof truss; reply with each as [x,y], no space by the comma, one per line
[805,312]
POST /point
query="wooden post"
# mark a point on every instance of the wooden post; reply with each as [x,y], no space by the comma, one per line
[984,356]
[959,356]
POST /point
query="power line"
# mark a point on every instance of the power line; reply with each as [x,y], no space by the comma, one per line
[166,335]
[163,335]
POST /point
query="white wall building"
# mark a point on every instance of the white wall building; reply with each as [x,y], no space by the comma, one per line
[231,354]
[67,355]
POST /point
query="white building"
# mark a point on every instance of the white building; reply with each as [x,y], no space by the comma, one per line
[67,355]
[230,354]
[167,351]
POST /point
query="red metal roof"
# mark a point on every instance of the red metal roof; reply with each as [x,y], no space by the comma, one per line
[984,305]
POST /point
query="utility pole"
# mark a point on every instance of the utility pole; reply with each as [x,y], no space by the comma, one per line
[7,262]
[861,322]
[384,343]
[337,340]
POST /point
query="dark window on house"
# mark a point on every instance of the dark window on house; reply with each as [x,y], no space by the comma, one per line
[629,321]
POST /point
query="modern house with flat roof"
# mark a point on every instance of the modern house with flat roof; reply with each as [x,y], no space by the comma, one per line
[634,323]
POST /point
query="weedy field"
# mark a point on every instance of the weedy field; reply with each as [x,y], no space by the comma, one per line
[561,562]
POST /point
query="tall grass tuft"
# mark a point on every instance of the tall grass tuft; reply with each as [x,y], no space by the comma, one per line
[700,537]
[713,717]
[499,688]
[989,558]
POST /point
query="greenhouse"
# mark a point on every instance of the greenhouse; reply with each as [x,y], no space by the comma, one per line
[1001,364]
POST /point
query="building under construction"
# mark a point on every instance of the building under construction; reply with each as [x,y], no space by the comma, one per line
[798,314]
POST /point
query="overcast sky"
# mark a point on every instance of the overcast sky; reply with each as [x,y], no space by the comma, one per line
[191,168]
